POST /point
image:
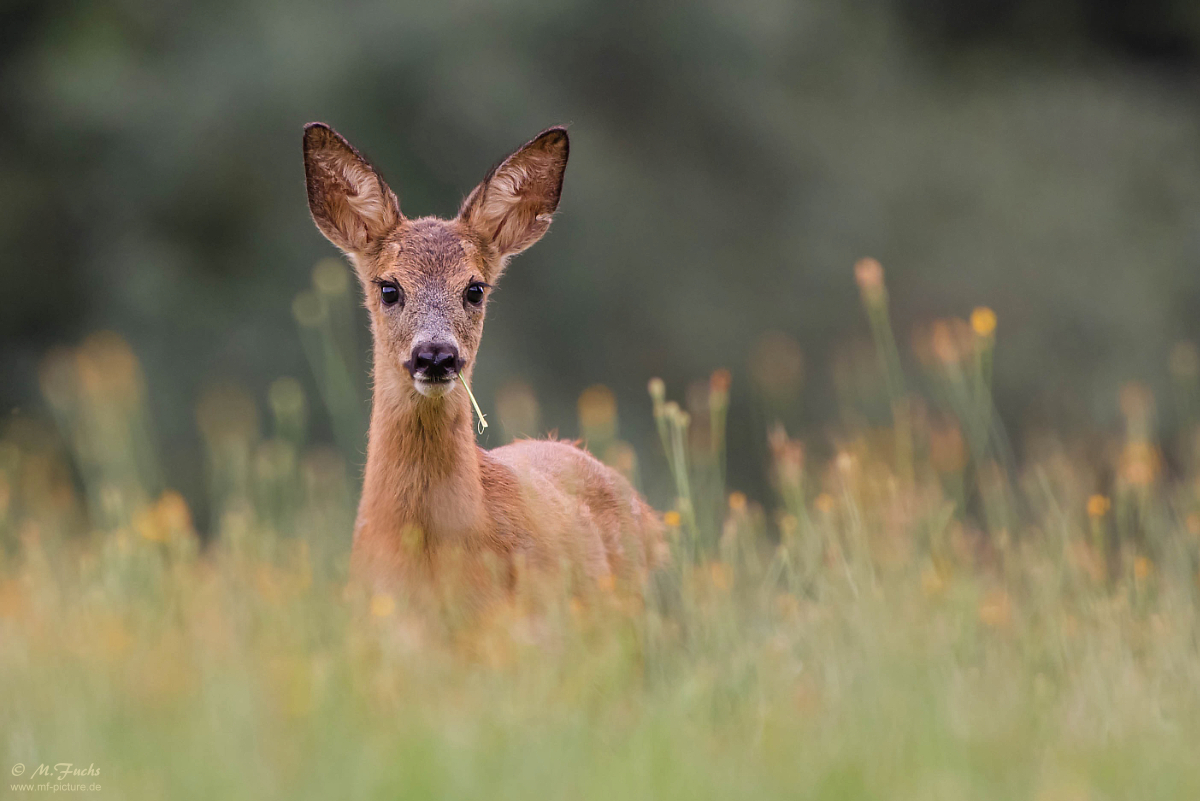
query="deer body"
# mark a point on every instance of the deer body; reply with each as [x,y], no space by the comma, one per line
[435,506]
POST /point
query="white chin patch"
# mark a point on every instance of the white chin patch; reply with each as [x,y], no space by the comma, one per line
[433,389]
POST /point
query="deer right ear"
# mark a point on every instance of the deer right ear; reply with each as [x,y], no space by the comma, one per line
[349,202]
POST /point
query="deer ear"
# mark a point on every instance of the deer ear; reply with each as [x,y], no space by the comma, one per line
[513,206]
[349,202]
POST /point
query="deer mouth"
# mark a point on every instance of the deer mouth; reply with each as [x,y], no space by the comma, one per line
[434,387]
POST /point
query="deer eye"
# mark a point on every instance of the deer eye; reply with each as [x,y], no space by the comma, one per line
[474,293]
[390,294]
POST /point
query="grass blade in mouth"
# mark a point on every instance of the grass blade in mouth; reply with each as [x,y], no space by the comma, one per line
[483,424]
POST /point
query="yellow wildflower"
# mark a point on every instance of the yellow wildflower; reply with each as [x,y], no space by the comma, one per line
[983,321]
[722,576]
[1098,506]
[996,610]
[1141,568]
[382,605]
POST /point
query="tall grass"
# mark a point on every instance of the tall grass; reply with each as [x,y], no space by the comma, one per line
[914,617]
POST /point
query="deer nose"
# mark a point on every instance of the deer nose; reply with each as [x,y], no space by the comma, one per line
[434,361]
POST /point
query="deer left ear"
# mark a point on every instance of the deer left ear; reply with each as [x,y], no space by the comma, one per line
[513,206]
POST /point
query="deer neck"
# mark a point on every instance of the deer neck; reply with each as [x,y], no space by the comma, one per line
[423,469]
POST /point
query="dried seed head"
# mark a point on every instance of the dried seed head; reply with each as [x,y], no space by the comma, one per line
[868,273]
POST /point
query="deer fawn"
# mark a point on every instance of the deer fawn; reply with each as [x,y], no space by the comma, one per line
[434,503]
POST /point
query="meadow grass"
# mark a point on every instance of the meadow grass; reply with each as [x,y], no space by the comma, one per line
[914,617]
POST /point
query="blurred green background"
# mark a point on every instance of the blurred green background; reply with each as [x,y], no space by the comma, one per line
[730,162]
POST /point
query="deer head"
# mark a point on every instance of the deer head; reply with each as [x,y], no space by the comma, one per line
[426,281]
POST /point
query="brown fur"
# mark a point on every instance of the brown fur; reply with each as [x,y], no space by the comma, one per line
[434,504]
